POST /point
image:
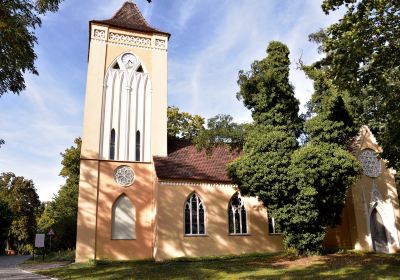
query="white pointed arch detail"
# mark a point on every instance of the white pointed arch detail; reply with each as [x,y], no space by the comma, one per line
[386,211]
[194,215]
[126,108]
[123,219]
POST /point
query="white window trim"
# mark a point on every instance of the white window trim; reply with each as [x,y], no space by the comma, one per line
[198,198]
[243,205]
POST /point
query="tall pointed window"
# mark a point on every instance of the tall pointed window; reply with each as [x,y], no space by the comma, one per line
[194,216]
[112,144]
[237,216]
[273,227]
[123,219]
[137,145]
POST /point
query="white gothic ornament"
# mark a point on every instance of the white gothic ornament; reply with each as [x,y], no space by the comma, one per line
[370,163]
[124,175]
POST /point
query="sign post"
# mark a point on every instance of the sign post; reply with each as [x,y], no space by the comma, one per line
[39,242]
[51,233]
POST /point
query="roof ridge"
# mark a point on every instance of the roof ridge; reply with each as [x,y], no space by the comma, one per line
[130,17]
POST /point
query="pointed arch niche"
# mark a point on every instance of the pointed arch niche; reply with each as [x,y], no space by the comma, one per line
[123,219]
[126,111]
[382,228]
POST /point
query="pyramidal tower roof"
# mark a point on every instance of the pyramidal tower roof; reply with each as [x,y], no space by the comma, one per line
[130,17]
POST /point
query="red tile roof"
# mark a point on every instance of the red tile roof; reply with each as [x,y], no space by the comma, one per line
[129,17]
[185,162]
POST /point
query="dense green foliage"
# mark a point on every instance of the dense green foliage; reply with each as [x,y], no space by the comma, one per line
[362,58]
[20,205]
[61,213]
[320,176]
[5,222]
[221,130]
[183,125]
[331,121]
[267,92]
[18,21]
[262,170]
[303,187]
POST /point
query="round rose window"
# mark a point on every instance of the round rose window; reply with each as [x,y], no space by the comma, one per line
[370,163]
[124,175]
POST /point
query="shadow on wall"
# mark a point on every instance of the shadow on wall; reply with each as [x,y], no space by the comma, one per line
[172,242]
[140,194]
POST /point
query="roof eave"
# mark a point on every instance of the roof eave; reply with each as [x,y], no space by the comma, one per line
[159,32]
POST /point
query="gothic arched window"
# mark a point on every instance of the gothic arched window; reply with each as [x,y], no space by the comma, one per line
[237,215]
[194,216]
[137,145]
[112,144]
[123,219]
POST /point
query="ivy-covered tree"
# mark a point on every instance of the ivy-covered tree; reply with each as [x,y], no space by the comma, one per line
[267,92]
[331,121]
[262,169]
[304,188]
[183,125]
[362,57]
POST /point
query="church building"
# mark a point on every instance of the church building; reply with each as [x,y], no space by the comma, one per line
[142,196]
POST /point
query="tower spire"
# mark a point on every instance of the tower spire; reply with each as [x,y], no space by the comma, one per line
[129,17]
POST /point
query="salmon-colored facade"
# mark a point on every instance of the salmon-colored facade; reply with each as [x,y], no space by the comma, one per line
[125,155]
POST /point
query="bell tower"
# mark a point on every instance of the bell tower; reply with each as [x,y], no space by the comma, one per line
[125,114]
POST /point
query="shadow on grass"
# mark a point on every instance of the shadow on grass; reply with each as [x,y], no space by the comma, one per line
[337,266]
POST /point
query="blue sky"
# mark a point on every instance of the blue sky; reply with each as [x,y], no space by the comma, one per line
[211,41]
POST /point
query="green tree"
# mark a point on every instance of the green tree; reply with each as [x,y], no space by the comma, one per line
[61,214]
[5,221]
[331,121]
[183,125]
[23,201]
[262,169]
[320,176]
[322,170]
[362,57]
[18,21]
[304,188]
[221,130]
[267,92]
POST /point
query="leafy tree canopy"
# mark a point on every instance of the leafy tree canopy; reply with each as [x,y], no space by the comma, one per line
[23,202]
[267,92]
[18,21]
[221,130]
[183,125]
[331,121]
[303,187]
[61,213]
[362,57]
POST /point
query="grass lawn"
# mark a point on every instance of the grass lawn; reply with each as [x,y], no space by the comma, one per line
[353,265]
[60,256]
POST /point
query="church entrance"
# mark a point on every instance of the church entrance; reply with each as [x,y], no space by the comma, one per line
[378,233]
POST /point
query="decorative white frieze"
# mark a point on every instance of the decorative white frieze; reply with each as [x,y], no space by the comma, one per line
[194,184]
[99,34]
[127,39]
[160,43]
